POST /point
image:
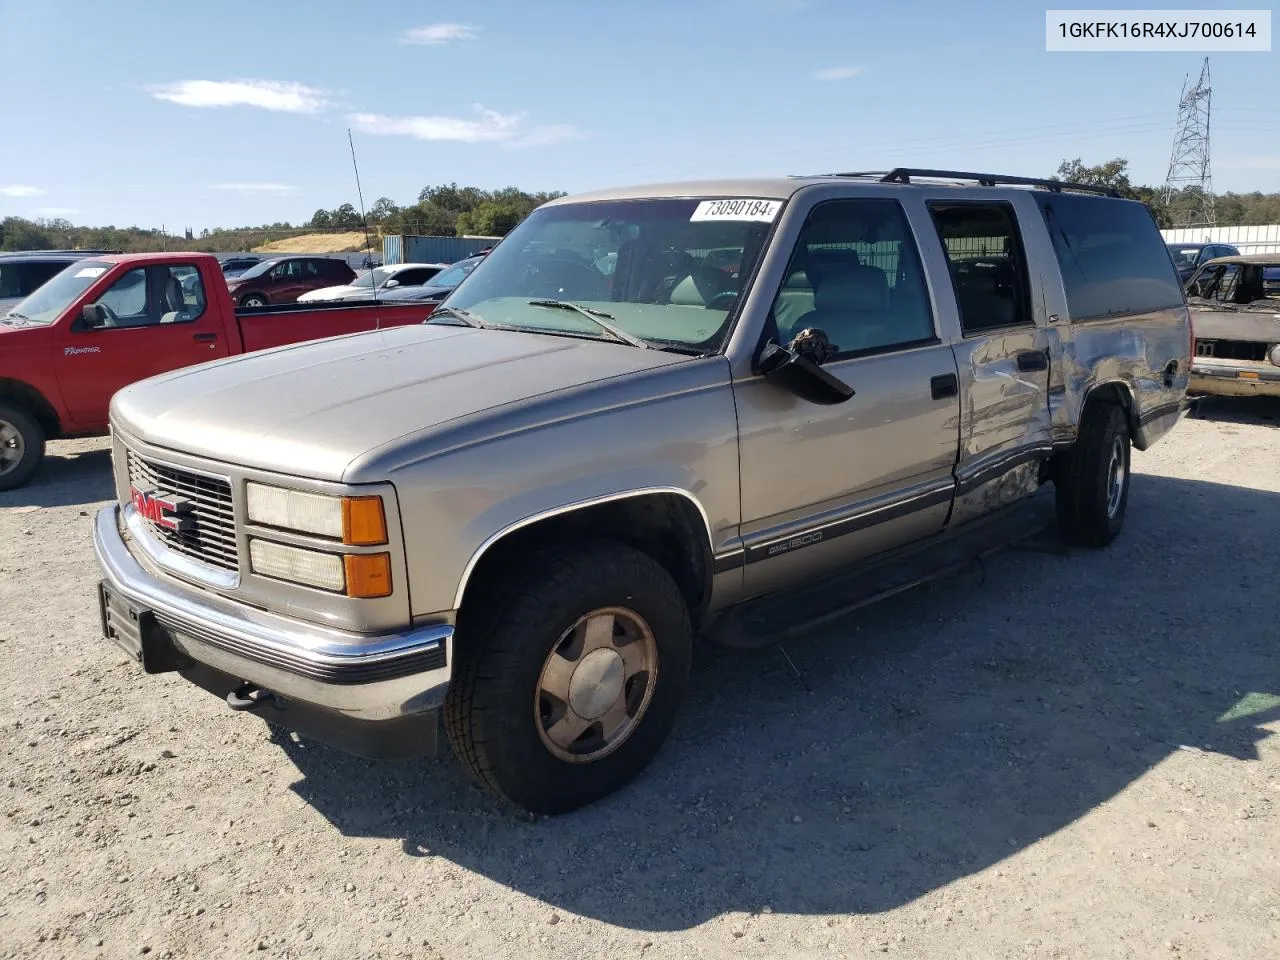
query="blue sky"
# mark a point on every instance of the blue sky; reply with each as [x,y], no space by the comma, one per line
[179,113]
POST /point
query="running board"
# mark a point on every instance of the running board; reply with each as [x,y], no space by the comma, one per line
[781,616]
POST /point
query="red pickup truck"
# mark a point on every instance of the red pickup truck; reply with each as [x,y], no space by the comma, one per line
[104,322]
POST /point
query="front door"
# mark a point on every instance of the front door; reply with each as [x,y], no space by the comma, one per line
[824,485]
[1003,355]
[158,319]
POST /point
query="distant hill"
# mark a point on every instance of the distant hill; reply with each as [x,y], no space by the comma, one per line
[348,242]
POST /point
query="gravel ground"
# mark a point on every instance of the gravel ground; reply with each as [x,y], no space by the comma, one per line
[1055,756]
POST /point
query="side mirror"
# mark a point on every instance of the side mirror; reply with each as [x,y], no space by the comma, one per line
[390,283]
[93,316]
[797,367]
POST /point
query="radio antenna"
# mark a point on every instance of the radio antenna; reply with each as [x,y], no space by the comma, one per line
[368,244]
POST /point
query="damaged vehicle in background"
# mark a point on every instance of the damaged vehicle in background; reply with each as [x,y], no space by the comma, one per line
[1189,257]
[1235,312]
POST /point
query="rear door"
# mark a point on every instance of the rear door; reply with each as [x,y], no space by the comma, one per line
[1002,355]
[161,319]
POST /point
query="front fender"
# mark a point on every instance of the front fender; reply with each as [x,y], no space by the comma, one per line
[676,436]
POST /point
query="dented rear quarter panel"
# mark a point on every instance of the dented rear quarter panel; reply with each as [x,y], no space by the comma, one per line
[1130,351]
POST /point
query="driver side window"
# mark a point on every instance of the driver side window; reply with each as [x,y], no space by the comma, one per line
[127,299]
[856,275]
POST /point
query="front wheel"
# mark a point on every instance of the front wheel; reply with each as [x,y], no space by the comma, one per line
[254,300]
[566,690]
[21,446]
[1092,479]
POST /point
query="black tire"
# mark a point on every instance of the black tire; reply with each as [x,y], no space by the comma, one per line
[1090,510]
[26,436]
[491,712]
[253,300]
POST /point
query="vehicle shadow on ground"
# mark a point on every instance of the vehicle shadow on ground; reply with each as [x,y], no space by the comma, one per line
[66,481]
[1253,410]
[931,736]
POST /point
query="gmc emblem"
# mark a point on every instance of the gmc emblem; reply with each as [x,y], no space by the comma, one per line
[163,510]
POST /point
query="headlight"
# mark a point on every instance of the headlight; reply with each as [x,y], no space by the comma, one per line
[323,570]
[1275,354]
[357,521]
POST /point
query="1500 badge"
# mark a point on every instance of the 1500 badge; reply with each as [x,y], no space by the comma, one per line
[794,543]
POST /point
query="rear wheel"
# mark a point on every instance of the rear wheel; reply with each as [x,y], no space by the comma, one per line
[1092,478]
[21,446]
[253,300]
[566,688]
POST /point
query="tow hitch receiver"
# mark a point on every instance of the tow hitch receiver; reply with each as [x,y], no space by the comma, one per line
[251,697]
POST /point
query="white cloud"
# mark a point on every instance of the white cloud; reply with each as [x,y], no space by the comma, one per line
[20,190]
[254,187]
[488,126]
[438,33]
[55,211]
[266,94]
[839,73]
[543,136]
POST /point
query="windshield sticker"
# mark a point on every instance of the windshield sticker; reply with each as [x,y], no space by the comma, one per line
[761,210]
[90,272]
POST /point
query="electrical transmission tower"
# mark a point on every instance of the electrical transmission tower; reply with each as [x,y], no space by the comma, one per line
[1189,163]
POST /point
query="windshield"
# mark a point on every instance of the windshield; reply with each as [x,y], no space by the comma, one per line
[666,271]
[381,275]
[258,270]
[456,274]
[49,301]
[1184,254]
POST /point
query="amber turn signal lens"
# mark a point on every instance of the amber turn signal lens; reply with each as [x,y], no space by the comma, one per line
[368,575]
[363,522]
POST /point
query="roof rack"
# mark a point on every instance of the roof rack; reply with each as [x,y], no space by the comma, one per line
[904,175]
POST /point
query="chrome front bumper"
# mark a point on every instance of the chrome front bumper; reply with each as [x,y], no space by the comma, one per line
[368,680]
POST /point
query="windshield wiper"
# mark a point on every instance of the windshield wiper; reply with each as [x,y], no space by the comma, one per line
[600,319]
[470,319]
[13,316]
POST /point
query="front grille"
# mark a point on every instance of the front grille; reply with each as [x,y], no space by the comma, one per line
[1232,349]
[211,537]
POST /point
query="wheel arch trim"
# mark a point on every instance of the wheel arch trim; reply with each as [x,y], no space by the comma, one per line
[493,539]
[1125,387]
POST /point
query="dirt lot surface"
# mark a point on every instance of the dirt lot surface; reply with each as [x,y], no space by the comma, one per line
[1057,756]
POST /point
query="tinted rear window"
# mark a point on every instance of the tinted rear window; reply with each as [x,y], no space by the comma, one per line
[1112,256]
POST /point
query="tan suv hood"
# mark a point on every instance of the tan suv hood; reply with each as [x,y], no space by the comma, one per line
[310,409]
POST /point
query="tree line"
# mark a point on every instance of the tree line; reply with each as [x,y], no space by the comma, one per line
[449,210]
[441,211]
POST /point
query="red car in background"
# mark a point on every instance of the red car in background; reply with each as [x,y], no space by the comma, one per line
[107,321]
[284,279]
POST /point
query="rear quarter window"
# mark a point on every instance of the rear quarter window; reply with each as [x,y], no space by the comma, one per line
[1113,259]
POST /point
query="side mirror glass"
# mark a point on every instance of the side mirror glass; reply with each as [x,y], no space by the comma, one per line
[93,316]
[798,367]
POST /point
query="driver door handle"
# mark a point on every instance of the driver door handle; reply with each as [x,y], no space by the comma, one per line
[205,337]
[1030,360]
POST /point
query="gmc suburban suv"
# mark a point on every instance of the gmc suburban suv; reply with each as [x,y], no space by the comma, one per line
[648,413]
